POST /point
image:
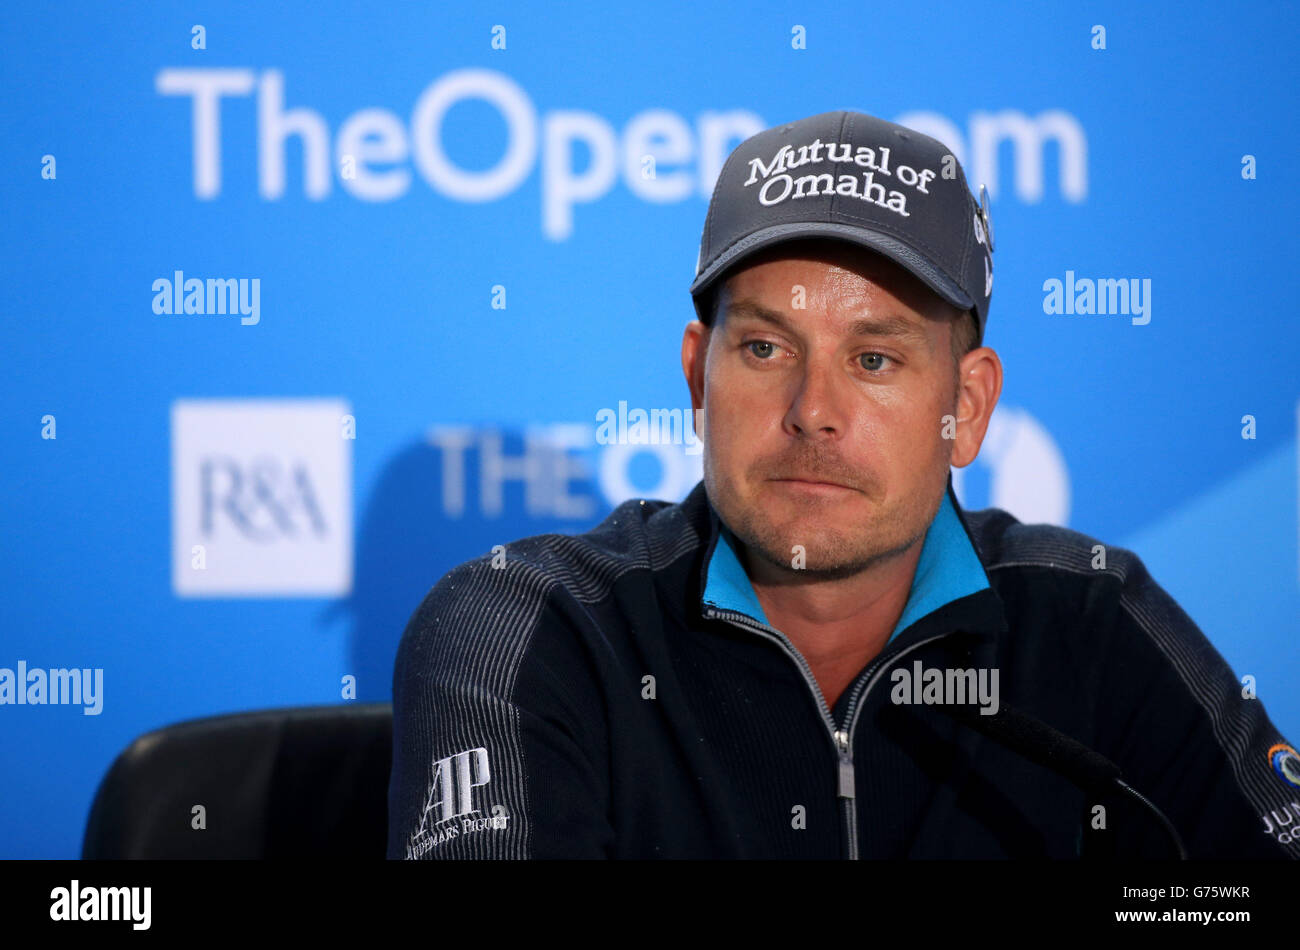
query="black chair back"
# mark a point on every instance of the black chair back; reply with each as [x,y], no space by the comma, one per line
[308,781]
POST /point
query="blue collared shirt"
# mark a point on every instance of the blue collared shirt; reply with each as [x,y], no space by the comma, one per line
[948,569]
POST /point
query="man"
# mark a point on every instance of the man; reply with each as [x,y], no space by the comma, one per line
[815,654]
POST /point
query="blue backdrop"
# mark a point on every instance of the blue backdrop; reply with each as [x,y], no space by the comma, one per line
[419,250]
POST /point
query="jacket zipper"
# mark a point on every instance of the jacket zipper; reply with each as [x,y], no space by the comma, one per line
[841,739]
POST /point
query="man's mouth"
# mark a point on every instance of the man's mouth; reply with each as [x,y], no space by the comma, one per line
[813,484]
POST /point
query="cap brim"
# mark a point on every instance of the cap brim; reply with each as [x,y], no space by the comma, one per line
[902,254]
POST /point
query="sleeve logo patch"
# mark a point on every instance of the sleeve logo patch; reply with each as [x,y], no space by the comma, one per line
[449,810]
[1286,763]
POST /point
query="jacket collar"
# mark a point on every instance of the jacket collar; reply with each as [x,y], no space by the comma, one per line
[949,588]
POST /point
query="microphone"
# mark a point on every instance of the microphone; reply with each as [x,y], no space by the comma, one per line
[1040,743]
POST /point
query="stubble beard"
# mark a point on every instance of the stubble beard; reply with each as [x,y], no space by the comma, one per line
[833,549]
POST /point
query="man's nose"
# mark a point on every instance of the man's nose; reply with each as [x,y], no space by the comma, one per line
[817,406]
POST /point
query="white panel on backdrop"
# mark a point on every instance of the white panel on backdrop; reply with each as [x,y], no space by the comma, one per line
[1025,470]
[261,497]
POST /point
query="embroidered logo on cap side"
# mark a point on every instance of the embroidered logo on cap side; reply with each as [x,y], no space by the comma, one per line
[984,237]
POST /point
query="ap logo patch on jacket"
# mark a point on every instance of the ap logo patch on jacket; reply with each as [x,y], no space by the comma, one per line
[449,810]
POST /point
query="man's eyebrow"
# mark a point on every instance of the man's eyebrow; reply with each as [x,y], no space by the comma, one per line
[739,309]
[889,326]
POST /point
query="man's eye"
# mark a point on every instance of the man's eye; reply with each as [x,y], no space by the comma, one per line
[771,348]
[874,356]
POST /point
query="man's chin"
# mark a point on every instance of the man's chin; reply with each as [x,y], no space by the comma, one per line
[815,511]
[826,559]
[817,538]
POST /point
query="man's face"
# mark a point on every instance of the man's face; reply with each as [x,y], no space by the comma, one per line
[846,381]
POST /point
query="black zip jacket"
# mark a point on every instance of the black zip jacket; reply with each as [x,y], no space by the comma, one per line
[619,694]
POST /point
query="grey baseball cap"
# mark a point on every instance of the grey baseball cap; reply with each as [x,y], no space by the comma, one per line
[853,177]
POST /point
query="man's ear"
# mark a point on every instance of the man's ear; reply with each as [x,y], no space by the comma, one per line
[695,348]
[979,383]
